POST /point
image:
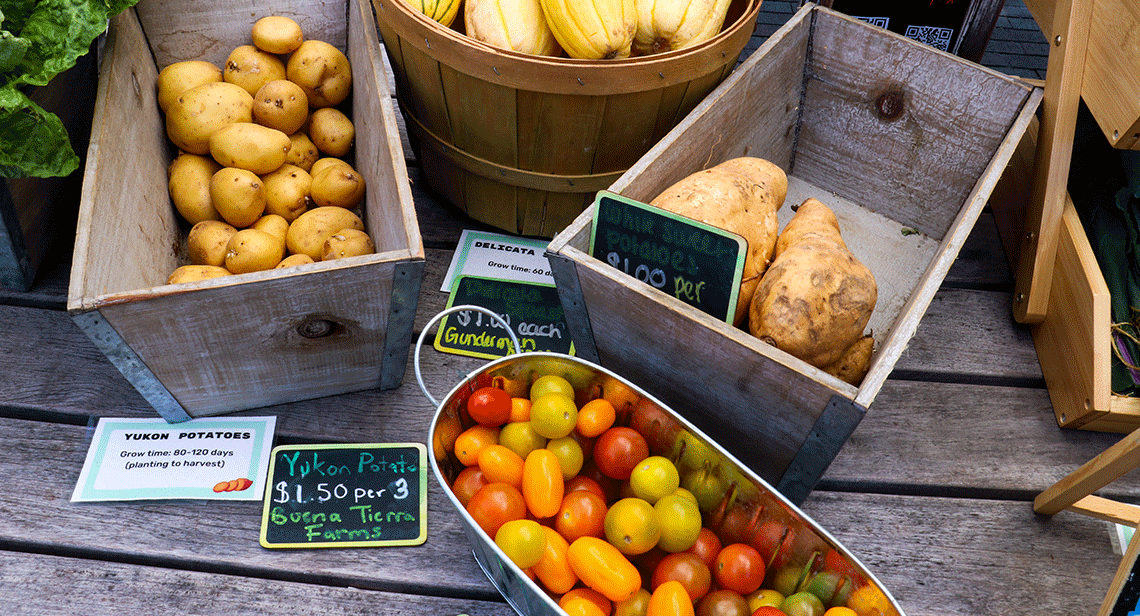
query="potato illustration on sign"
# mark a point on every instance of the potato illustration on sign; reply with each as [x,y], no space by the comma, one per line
[235,485]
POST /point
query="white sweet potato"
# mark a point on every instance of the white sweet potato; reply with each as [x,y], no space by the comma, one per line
[739,195]
[816,297]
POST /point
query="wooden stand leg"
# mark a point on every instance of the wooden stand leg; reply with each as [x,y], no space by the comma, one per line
[1092,476]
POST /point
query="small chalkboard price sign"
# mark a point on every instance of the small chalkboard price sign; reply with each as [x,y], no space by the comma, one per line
[345,496]
[694,262]
[1123,598]
[532,310]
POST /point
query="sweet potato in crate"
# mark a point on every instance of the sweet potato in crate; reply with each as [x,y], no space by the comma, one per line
[903,141]
[256,339]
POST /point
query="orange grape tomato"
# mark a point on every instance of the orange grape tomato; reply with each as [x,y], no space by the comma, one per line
[542,483]
[578,606]
[500,464]
[670,599]
[739,567]
[604,605]
[582,514]
[495,504]
[467,483]
[602,567]
[553,569]
[472,440]
[520,409]
[595,417]
[489,406]
[840,611]
[637,605]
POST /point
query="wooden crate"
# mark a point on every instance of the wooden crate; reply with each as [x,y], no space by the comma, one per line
[36,211]
[255,339]
[903,141]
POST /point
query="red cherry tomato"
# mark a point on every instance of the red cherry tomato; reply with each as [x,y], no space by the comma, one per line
[470,479]
[707,547]
[688,569]
[489,406]
[582,514]
[739,567]
[618,450]
[495,504]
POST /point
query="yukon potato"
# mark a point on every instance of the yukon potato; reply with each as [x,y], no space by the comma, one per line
[181,76]
[193,273]
[287,191]
[272,224]
[281,104]
[327,161]
[251,68]
[347,243]
[323,71]
[302,151]
[188,177]
[740,195]
[253,250]
[332,131]
[292,260]
[202,110]
[337,185]
[251,146]
[239,196]
[308,233]
[816,297]
[277,34]
[206,242]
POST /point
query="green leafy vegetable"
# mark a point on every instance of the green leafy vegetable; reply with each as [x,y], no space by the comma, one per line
[38,40]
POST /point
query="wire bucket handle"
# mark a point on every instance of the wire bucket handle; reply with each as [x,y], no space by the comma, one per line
[436,319]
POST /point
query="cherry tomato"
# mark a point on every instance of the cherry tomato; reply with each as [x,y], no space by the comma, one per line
[553,415]
[602,567]
[840,611]
[723,602]
[580,606]
[603,605]
[595,417]
[764,597]
[631,526]
[582,482]
[774,541]
[495,504]
[707,546]
[501,465]
[802,604]
[768,610]
[582,514]
[739,523]
[472,440]
[553,569]
[656,424]
[489,406]
[653,478]
[680,522]
[637,605]
[569,453]
[520,409]
[522,541]
[551,383]
[670,599]
[739,567]
[707,487]
[520,437]
[467,483]
[686,568]
[618,450]
[542,483]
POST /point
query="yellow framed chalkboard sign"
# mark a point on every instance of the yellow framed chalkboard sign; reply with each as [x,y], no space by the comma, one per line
[356,495]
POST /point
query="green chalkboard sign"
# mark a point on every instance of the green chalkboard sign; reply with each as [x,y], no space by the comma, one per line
[345,496]
[694,262]
[533,311]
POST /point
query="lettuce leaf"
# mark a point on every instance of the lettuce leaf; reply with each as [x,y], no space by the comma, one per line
[38,40]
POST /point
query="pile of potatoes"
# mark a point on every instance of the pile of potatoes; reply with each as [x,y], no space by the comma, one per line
[261,173]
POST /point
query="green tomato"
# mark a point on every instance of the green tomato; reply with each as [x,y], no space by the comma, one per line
[802,604]
[553,415]
[654,478]
[679,520]
[551,384]
[520,437]
[569,453]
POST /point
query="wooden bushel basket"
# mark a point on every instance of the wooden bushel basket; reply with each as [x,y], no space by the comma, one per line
[524,142]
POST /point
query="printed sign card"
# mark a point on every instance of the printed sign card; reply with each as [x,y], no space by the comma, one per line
[694,262]
[346,496]
[137,459]
[494,255]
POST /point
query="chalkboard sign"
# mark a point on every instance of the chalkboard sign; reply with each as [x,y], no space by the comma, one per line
[345,496]
[1123,598]
[533,311]
[697,263]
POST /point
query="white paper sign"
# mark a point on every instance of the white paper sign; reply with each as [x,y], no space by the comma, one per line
[493,255]
[217,458]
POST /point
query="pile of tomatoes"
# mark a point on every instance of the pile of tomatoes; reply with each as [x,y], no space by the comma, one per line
[569,490]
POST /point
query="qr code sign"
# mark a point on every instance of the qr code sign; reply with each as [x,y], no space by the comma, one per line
[882,22]
[936,37]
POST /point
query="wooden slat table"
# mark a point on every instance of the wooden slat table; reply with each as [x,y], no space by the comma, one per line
[934,491]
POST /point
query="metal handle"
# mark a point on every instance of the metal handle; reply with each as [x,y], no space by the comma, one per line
[436,319]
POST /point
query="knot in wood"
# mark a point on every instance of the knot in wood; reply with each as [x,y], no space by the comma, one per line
[890,105]
[317,328]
